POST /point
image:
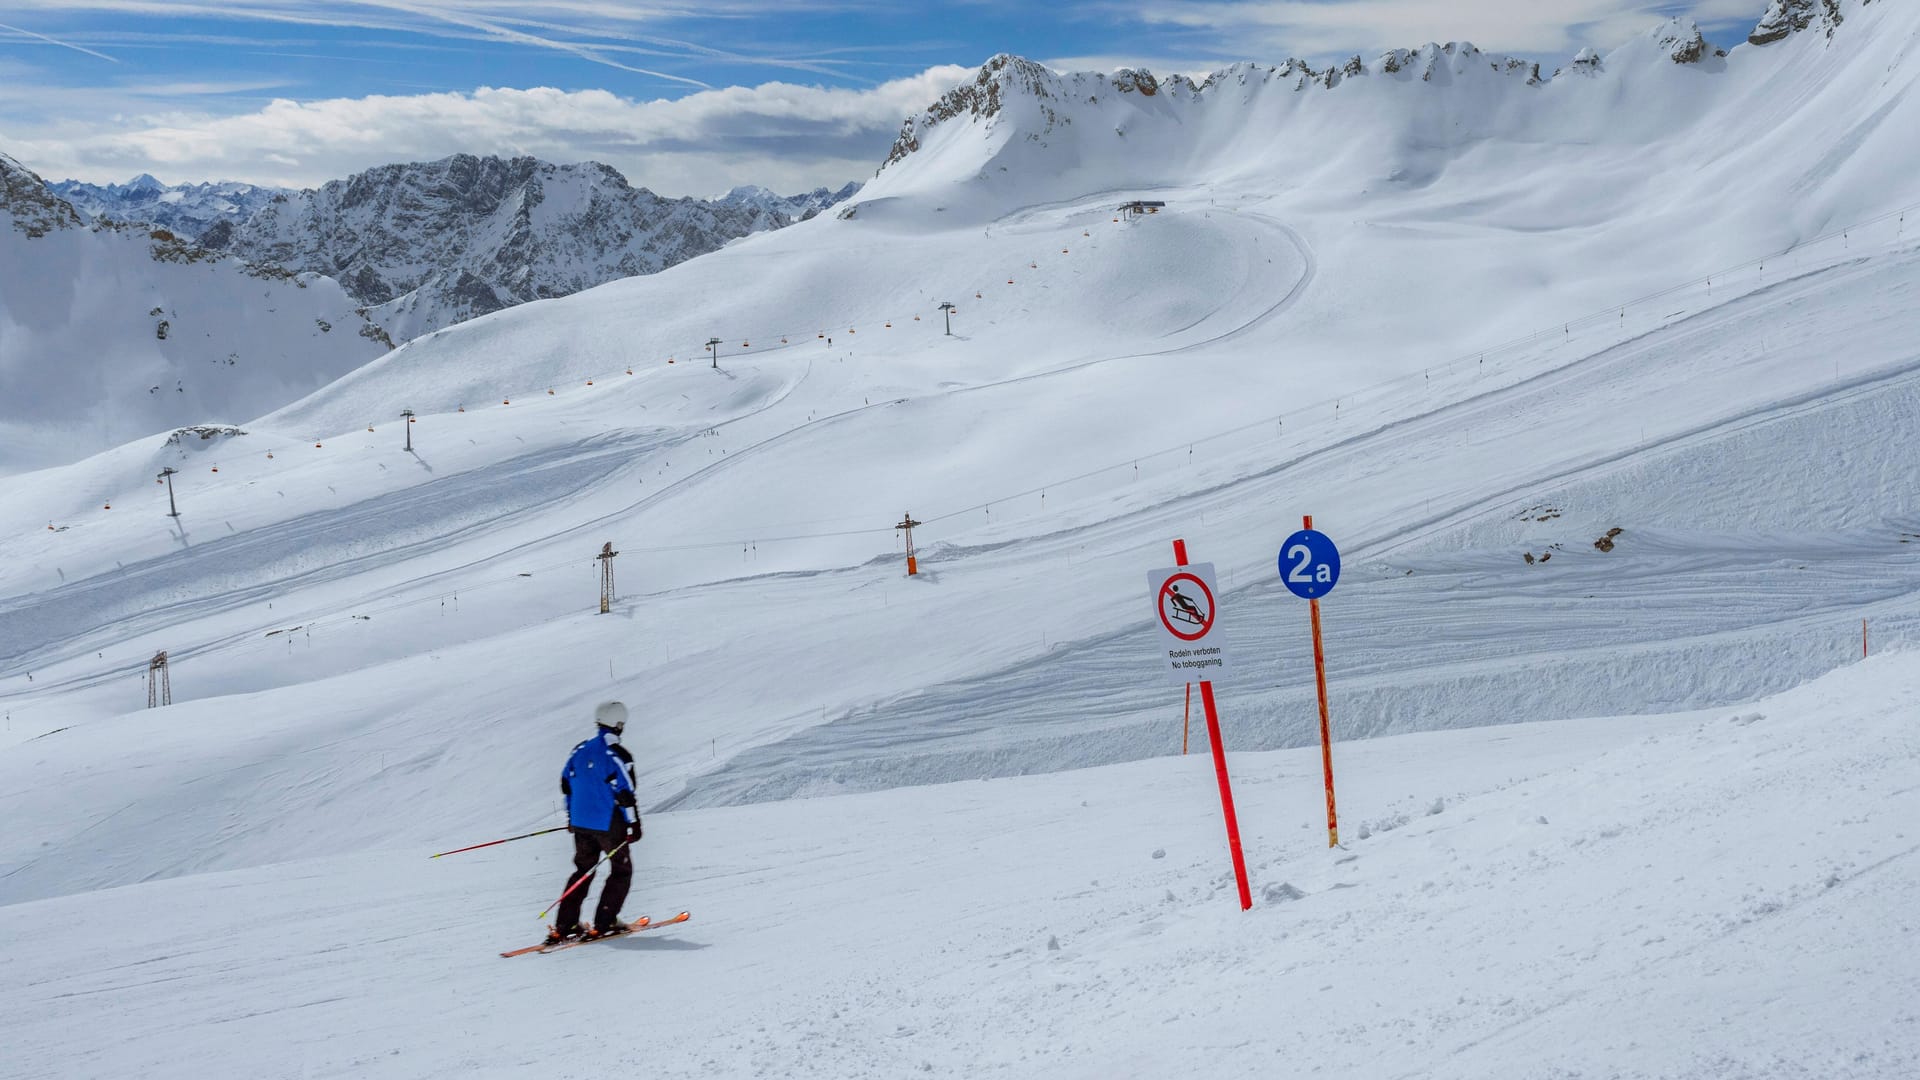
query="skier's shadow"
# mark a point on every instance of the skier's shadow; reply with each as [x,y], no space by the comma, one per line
[638,943]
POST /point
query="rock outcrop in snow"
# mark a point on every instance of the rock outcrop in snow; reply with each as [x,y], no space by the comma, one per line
[435,243]
[1786,17]
[1683,43]
[27,204]
[1002,79]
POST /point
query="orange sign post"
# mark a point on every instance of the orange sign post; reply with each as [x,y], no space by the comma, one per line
[1310,567]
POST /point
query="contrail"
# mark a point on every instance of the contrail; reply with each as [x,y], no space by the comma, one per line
[57,41]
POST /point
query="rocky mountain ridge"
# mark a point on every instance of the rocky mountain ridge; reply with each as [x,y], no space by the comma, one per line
[428,244]
[1006,79]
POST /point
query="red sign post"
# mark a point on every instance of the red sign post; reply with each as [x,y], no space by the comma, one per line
[1185,604]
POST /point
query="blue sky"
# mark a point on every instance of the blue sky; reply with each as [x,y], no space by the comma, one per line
[683,97]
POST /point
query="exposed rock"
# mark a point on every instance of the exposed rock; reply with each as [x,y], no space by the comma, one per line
[25,199]
[452,239]
[204,432]
[998,80]
[1786,17]
[1683,43]
[1132,80]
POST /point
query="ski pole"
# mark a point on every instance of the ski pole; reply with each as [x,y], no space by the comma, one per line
[584,878]
[490,843]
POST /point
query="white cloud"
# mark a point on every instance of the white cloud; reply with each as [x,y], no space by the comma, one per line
[781,135]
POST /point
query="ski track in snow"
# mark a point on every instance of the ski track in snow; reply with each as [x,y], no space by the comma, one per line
[307,550]
[1526,900]
[1461,630]
[400,526]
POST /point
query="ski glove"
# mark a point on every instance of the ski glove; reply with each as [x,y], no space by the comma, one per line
[633,831]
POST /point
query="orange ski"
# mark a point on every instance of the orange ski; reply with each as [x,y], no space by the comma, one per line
[642,923]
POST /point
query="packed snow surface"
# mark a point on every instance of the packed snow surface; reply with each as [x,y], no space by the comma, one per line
[1718,893]
[1605,427]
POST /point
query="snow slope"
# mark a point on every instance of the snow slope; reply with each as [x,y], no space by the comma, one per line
[1720,893]
[1540,338]
[753,505]
[110,333]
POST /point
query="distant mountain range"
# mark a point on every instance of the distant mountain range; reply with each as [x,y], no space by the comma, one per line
[428,244]
[792,207]
[186,210]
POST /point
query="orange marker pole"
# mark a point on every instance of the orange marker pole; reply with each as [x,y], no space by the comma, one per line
[1326,730]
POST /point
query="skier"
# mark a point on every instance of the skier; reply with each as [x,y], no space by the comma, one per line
[602,815]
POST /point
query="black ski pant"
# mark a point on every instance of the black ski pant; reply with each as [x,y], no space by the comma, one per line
[588,846]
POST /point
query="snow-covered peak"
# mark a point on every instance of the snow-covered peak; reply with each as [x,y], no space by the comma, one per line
[786,209]
[1002,80]
[746,193]
[1786,17]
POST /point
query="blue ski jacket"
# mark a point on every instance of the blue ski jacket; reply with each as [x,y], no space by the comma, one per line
[598,789]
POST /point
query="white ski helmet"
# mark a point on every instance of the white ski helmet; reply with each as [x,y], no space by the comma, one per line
[611,715]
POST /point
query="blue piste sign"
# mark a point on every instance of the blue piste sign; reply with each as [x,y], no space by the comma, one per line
[1309,564]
